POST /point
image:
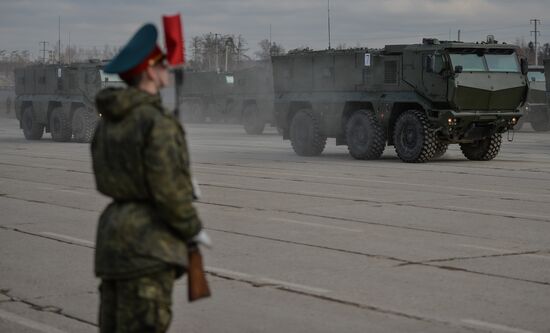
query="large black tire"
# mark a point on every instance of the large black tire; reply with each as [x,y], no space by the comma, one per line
[83,124]
[252,120]
[414,140]
[60,127]
[306,135]
[365,136]
[482,150]
[32,129]
[440,149]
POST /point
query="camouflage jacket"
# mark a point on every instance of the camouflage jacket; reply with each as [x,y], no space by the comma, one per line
[140,160]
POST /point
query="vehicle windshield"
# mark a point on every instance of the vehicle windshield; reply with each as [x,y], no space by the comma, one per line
[491,61]
[110,79]
[502,62]
[469,62]
[536,76]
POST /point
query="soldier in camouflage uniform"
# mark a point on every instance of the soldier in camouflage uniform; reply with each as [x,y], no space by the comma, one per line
[140,160]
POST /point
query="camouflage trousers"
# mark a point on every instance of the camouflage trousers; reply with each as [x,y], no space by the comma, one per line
[137,305]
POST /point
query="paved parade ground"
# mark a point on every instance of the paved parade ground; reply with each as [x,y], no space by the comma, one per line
[301,244]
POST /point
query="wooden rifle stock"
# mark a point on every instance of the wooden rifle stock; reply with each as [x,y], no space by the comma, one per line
[197,284]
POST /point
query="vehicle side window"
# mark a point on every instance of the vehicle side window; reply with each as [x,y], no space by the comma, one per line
[439,64]
[434,63]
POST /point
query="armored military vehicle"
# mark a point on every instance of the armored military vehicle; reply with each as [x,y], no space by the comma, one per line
[59,99]
[418,98]
[547,76]
[244,96]
[536,110]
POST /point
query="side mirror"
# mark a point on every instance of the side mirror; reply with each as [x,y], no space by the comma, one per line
[429,64]
[524,66]
[458,69]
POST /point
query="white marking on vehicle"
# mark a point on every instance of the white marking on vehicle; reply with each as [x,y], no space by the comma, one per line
[29,323]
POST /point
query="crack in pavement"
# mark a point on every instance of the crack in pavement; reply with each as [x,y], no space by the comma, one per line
[376,256]
[48,203]
[395,203]
[44,308]
[69,187]
[385,167]
[357,305]
[45,236]
[476,212]
[402,262]
[256,284]
[509,254]
[345,219]
[45,168]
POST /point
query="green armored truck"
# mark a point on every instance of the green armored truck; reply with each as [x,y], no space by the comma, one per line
[547,76]
[59,99]
[418,98]
[536,110]
[243,96]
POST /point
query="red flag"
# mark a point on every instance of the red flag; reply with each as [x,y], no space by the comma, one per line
[173,36]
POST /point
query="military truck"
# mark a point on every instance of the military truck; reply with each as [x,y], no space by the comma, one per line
[244,96]
[59,99]
[536,110]
[418,98]
[547,76]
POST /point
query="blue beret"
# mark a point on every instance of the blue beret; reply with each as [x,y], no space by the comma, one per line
[135,51]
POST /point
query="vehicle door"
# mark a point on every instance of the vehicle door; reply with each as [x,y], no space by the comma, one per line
[434,76]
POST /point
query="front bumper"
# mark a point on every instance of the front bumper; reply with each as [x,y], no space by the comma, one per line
[469,126]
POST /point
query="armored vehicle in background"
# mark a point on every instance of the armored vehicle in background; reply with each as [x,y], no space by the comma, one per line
[244,96]
[547,76]
[536,110]
[59,99]
[419,98]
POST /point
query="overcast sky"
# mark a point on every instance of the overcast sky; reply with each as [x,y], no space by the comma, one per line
[294,23]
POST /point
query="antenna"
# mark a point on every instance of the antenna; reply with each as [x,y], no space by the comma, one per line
[536,33]
[69,49]
[43,43]
[59,42]
[328,16]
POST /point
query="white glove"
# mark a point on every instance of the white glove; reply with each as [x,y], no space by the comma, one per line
[196,189]
[202,238]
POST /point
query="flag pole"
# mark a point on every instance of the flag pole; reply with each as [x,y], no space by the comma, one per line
[178,73]
[175,54]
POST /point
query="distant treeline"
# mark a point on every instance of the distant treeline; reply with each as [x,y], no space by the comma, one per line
[226,52]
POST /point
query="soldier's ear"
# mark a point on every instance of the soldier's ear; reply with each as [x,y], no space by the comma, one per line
[150,74]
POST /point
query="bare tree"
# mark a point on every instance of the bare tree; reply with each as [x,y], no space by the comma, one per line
[268,49]
[217,52]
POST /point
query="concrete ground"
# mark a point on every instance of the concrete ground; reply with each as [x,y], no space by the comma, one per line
[301,244]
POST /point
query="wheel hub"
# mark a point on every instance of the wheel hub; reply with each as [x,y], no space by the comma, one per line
[409,137]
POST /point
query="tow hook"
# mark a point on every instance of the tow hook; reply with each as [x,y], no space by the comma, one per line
[510,137]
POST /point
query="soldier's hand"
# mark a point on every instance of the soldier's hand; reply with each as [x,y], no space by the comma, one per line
[202,238]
